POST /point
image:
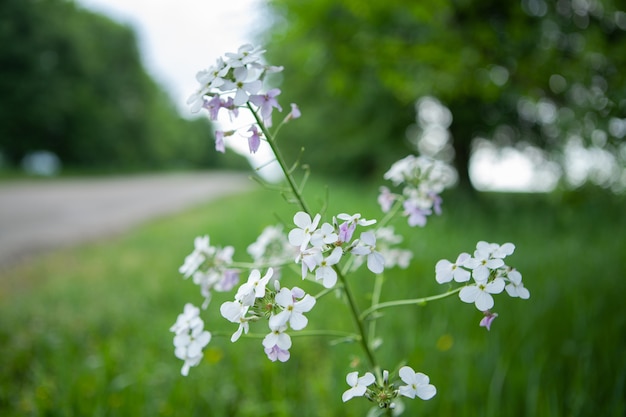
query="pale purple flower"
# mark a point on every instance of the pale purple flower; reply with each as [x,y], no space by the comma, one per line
[294,113]
[417,214]
[437,200]
[219,141]
[275,353]
[213,106]
[488,319]
[254,141]
[277,344]
[386,199]
[346,230]
[229,279]
[229,104]
[266,103]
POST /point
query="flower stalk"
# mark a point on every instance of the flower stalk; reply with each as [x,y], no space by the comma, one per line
[323,253]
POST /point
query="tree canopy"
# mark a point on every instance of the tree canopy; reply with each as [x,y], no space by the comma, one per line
[72,82]
[544,73]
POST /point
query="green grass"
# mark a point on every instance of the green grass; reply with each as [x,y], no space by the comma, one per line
[84,331]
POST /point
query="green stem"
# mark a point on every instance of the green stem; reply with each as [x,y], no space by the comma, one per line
[298,195]
[281,160]
[390,214]
[358,321]
[376,292]
[251,265]
[412,301]
[302,333]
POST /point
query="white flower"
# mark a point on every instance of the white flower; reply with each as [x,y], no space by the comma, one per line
[292,309]
[325,235]
[482,264]
[190,337]
[213,76]
[188,319]
[385,239]
[301,236]
[243,88]
[246,54]
[188,347]
[515,287]
[401,170]
[277,344]
[488,257]
[235,312]
[367,246]
[445,270]
[271,246]
[325,272]
[417,384]
[254,287]
[309,259]
[480,293]
[355,219]
[358,386]
[191,264]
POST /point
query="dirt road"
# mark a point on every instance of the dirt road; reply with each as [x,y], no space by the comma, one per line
[40,215]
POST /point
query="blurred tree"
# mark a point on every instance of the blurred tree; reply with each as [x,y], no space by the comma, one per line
[72,82]
[533,71]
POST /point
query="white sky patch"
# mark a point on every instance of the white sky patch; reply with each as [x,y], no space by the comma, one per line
[510,169]
[179,38]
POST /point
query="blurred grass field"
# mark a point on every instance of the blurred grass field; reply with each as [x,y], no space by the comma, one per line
[84,331]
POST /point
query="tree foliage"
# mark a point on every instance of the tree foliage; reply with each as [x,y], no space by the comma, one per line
[532,71]
[72,82]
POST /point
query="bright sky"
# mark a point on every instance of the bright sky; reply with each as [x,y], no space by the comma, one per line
[179,38]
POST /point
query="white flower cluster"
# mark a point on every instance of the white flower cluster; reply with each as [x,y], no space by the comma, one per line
[272,248]
[236,82]
[320,247]
[383,393]
[215,273]
[283,308]
[386,239]
[190,337]
[423,179]
[489,273]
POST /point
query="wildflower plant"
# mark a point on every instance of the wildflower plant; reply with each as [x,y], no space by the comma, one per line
[268,297]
